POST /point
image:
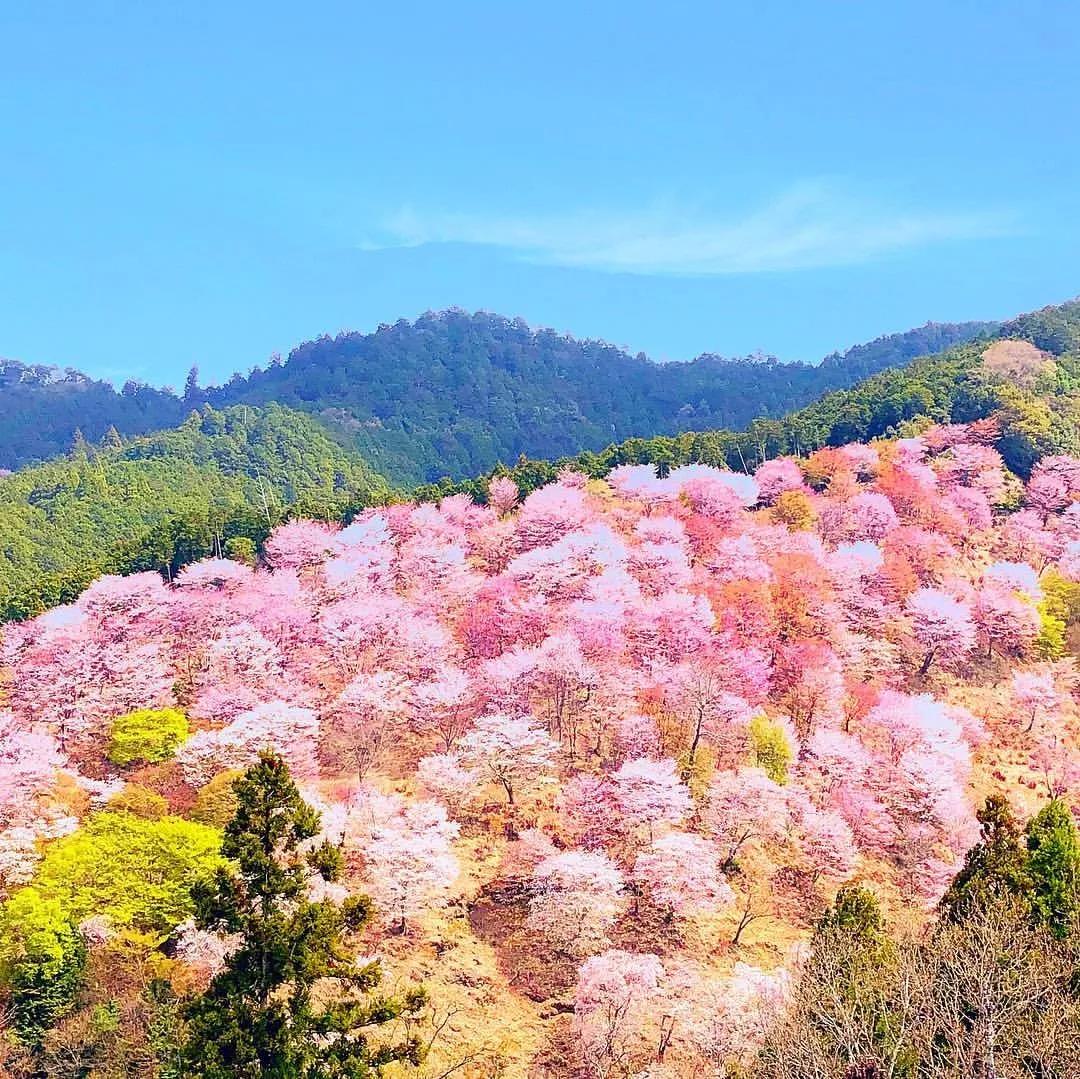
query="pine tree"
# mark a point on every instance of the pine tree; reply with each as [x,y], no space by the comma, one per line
[191,386]
[856,911]
[995,867]
[262,1015]
[80,448]
[1054,867]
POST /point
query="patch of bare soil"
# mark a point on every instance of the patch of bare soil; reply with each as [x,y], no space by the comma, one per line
[528,964]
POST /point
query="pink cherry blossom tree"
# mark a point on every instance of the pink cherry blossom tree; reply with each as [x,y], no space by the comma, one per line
[577,896]
[502,494]
[443,705]
[648,794]
[681,872]
[1034,694]
[410,863]
[744,805]
[285,728]
[513,752]
[942,626]
[616,1021]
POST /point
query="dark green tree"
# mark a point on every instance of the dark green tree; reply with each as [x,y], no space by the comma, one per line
[264,1014]
[995,867]
[856,911]
[1054,867]
[42,963]
[191,385]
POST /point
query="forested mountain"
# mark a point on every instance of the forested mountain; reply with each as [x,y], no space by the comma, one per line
[1025,377]
[43,409]
[164,499]
[454,393]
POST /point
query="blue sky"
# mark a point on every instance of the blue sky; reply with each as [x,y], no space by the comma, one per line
[183,184]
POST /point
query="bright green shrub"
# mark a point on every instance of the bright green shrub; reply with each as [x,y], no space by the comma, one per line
[42,959]
[136,873]
[241,549]
[771,748]
[1061,596]
[1050,643]
[148,735]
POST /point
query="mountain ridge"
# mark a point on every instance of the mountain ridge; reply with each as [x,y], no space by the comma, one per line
[453,392]
[123,507]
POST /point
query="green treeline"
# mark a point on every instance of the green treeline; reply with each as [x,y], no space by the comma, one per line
[455,393]
[955,386]
[166,499]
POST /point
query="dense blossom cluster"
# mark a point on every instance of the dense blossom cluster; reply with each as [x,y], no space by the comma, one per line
[686,702]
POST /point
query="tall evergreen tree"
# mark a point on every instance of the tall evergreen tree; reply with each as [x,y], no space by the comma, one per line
[855,911]
[1054,867]
[263,1014]
[191,386]
[995,867]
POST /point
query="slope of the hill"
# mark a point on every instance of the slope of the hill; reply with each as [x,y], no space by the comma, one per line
[1025,376]
[1030,393]
[164,499]
[454,393]
[43,410]
[599,759]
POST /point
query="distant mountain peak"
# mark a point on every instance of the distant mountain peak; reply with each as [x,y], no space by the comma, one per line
[453,392]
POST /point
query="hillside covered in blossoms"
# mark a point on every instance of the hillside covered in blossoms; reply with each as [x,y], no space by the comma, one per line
[601,756]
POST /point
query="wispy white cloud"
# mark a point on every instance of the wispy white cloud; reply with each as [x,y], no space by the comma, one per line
[809,226]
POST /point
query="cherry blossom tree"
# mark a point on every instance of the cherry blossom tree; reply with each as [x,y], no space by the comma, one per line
[19,856]
[825,841]
[723,1021]
[615,1012]
[649,794]
[588,813]
[363,719]
[697,693]
[29,760]
[1034,694]
[550,513]
[681,872]
[744,805]
[204,952]
[942,626]
[443,775]
[1007,622]
[512,752]
[577,896]
[287,729]
[808,681]
[443,705]
[299,545]
[410,863]
[502,494]
[777,476]
[1056,761]
[74,675]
